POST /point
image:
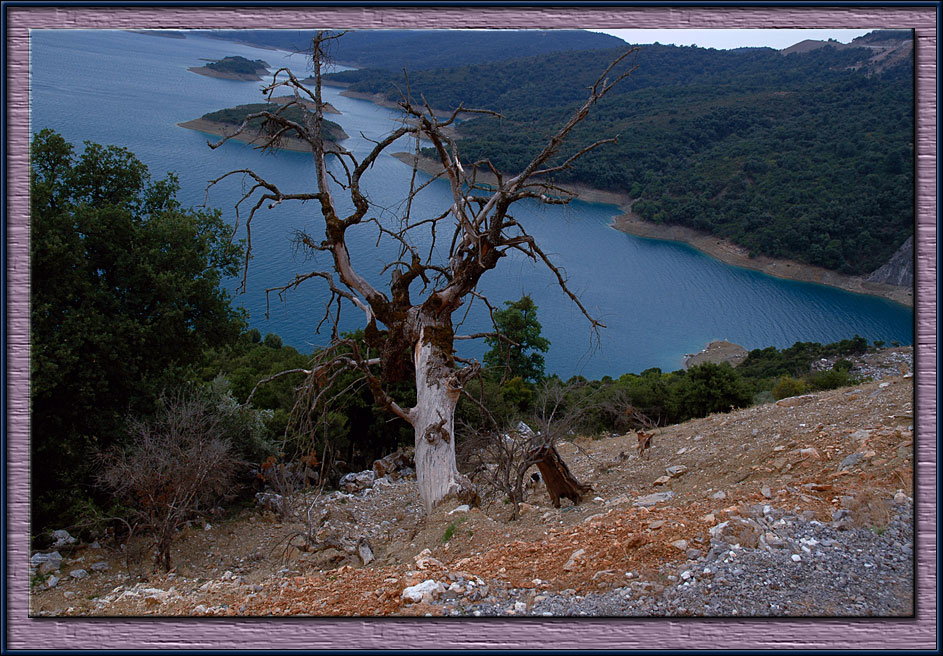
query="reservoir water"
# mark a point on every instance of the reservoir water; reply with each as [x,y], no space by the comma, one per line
[659,300]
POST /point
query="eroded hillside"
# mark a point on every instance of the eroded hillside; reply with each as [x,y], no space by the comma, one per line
[796,488]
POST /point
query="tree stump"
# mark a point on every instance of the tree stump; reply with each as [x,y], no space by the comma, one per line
[557,477]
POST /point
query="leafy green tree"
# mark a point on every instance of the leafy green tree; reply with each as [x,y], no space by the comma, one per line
[709,388]
[518,322]
[125,296]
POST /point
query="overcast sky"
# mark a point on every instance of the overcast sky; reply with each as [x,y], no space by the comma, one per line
[735,38]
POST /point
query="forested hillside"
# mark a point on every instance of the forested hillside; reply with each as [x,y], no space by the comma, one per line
[807,156]
[417,50]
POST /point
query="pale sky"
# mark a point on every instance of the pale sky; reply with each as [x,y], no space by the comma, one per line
[734,38]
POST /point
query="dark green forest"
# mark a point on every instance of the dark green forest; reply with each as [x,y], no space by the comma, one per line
[236,115]
[798,156]
[238,65]
[415,50]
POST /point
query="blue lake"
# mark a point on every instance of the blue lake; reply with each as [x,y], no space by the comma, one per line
[659,300]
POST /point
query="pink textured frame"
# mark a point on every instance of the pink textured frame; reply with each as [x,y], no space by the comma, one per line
[584,634]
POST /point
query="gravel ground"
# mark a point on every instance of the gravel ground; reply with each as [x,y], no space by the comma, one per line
[806,568]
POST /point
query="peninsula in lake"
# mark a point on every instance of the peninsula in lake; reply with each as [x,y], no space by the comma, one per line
[225,122]
[233,68]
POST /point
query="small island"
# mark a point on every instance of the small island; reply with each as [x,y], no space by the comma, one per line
[226,121]
[233,68]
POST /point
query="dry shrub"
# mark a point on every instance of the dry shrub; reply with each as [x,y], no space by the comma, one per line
[176,465]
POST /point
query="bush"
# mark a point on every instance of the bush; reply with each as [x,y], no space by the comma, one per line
[826,380]
[178,464]
[788,386]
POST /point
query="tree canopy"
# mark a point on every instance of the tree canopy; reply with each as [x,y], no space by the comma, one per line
[125,296]
[518,323]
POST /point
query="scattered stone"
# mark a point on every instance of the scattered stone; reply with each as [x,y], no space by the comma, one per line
[52,581]
[62,538]
[657,524]
[461,509]
[766,492]
[860,435]
[78,573]
[737,531]
[850,461]
[269,501]
[46,563]
[661,481]
[793,401]
[424,560]
[652,499]
[366,553]
[680,544]
[357,481]
[676,470]
[428,588]
[575,558]
[101,566]
[719,495]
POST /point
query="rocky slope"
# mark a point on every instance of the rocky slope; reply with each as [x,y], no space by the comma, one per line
[799,508]
[899,270]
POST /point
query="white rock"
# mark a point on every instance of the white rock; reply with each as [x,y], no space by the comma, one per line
[52,581]
[797,558]
[100,566]
[572,562]
[62,538]
[520,607]
[676,470]
[719,494]
[685,575]
[78,573]
[415,593]
[462,508]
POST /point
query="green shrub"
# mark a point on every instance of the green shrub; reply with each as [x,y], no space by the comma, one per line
[788,386]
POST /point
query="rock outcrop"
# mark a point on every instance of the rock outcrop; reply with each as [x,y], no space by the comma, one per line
[899,270]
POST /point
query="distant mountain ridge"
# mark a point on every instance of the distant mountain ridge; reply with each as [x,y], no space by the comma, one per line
[416,50]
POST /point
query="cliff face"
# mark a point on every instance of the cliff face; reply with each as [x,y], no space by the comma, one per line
[899,270]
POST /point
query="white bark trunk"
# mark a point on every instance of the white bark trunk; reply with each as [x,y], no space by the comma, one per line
[433,421]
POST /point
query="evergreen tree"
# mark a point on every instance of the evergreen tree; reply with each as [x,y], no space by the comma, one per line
[518,322]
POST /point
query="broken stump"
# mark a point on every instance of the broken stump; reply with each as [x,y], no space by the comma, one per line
[557,477]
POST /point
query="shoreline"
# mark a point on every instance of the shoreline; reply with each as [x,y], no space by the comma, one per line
[224,129]
[730,253]
[720,249]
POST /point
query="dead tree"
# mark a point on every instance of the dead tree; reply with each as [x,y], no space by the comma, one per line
[409,326]
[557,477]
[505,456]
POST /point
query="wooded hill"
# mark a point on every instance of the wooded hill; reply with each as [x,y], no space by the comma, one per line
[807,156]
[236,115]
[415,50]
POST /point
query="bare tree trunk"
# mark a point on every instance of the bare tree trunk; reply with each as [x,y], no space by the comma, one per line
[557,477]
[437,392]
